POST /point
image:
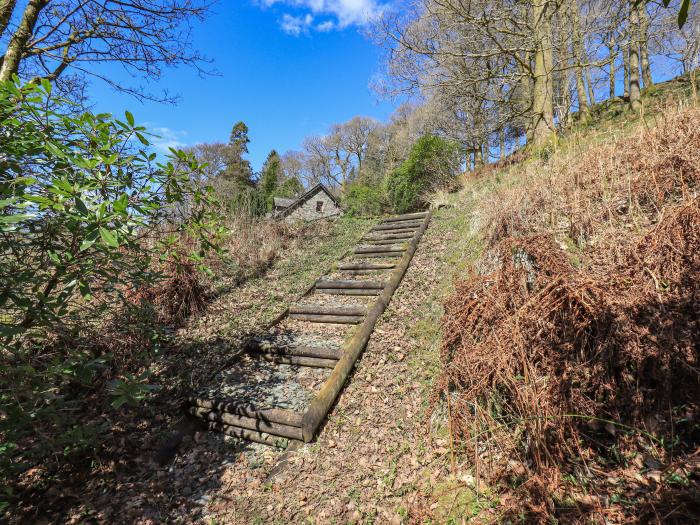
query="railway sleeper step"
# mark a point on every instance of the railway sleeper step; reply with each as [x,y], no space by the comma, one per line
[381,255]
[248,435]
[380,249]
[283,350]
[364,272]
[320,309]
[407,216]
[330,319]
[388,242]
[282,416]
[349,284]
[246,423]
[395,230]
[365,266]
[401,237]
[399,225]
[401,222]
[313,362]
[348,291]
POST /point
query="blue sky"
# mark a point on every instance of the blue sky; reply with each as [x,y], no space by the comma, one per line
[287,68]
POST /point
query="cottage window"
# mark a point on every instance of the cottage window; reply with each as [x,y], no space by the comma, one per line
[319,206]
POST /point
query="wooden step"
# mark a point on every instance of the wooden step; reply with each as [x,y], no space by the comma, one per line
[406,216]
[380,242]
[249,435]
[379,249]
[395,231]
[320,309]
[402,221]
[394,226]
[405,237]
[387,255]
[331,319]
[318,352]
[274,415]
[368,292]
[314,362]
[247,423]
[366,266]
[350,284]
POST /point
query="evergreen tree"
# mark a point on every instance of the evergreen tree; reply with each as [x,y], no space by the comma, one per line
[270,179]
[291,188]
[238,167]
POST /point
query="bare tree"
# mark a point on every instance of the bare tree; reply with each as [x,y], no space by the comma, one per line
[54,38]
[355,134]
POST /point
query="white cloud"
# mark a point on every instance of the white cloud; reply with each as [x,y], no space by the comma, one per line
[296,25]
[323,27]
[164,138]
[343,13]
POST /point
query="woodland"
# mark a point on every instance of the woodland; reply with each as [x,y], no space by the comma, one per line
[563,138]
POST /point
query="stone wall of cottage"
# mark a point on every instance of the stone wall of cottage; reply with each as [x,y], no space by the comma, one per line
[307,211]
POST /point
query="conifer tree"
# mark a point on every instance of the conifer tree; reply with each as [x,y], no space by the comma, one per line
[270,178]
[238,167]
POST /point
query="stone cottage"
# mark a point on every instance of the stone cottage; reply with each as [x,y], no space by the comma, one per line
[317,203]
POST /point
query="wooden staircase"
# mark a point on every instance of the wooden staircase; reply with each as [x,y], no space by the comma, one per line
[319,338]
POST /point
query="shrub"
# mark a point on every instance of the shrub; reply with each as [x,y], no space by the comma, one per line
[432,162]
[363,199]
[88,218]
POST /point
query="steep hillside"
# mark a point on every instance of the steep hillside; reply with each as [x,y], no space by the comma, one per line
[569,361]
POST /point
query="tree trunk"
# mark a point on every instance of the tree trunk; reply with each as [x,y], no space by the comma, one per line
[589,83]
[543,110]
[626,66]
[479,156]
[644,45]
[578,51]
[634,89]
[611,73]
[19,40]
[6,9]
[502,142]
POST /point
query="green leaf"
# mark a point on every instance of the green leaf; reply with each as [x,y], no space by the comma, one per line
[55,258]
[109,238]
[90,239]
[46,85]
[122,203]
[81,207]
[85,290]
[129,118]
[55,150]
[142,139]
[683,13]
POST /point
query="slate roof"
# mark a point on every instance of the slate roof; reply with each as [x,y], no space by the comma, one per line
[282,202]
[305,197]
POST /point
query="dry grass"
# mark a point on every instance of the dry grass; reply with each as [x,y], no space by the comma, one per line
[253,245]
[575,348]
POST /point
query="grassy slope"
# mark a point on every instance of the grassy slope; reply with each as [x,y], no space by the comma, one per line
[468,224]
